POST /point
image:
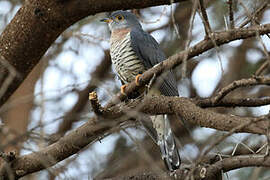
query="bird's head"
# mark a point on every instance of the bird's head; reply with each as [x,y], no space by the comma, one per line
[122,20]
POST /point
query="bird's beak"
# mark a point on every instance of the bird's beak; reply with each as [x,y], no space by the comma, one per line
[107,20]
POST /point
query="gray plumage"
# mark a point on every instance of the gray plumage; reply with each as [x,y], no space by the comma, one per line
[147,48]
[133,51]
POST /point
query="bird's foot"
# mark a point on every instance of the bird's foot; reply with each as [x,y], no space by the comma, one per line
[137,79]
[123,87]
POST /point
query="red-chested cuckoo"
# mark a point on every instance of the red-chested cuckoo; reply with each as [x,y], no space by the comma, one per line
[133,51]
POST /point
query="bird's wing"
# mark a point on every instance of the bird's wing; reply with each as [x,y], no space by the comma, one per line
[150,53]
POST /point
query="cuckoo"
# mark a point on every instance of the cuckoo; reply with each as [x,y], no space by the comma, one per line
[133,51]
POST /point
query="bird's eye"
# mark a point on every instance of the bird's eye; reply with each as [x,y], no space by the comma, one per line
[119,18]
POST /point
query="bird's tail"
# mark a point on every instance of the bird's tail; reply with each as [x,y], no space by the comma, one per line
[166,142]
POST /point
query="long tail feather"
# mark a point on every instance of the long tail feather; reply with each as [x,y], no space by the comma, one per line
[166,142]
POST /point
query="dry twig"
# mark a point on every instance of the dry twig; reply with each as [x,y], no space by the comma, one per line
[254,15]
[256,80]
[206,23]
[231,15]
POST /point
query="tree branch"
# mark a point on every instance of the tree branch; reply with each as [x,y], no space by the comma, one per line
[236,162]
[205,20]
[256,80]
[233,102]
[231,14]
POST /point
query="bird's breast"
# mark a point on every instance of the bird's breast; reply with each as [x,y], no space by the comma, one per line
[124,58]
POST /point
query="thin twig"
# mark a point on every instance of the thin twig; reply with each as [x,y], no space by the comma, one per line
[206,23]
[143,152]
[12,73]
[252,18]
[264,48]
[256,13]
[208,31]
[220,139]
[231,15]
[262,68]
[162,14]
[187,43]
[256,80]
[173,21]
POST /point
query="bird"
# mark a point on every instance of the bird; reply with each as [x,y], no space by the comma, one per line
[133,51]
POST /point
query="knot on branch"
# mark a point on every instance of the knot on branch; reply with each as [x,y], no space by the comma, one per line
[203,172]
[38,12]
[258,78]
[97,108]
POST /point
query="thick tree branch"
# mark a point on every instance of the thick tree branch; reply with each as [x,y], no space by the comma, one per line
[189,111]
[198,116]
[38,23]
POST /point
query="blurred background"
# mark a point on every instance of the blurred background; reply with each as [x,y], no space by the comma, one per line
[53,99]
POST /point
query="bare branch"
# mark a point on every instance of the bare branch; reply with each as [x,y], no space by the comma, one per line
[262,68]
[231,15]
[206,23]
[256,80]
[233,102]
[189,36]
[256,13]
